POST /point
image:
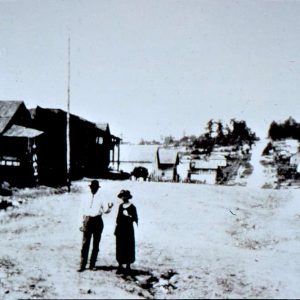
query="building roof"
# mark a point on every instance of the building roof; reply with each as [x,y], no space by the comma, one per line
[103,126]
[205,164]
[115,137]
[217,156]
[167,156]
[20,131]
[7,111]
[9,108]
[137,153]
[3,123]
[57,111]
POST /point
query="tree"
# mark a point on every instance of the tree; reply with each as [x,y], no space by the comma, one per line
[220,134]
[142,142]
[274,131]
[288,129]
[209,127]
[169,140]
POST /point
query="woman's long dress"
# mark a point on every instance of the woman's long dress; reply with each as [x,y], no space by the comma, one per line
[125,242]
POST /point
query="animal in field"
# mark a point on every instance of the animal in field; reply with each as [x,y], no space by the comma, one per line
[140,172]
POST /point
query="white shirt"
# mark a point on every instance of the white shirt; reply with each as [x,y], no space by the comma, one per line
[93,206]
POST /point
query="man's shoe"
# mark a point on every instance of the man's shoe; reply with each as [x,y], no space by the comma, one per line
[120,271]
[92,268]
[80,269]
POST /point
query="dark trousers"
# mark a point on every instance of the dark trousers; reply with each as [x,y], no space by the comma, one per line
[92,227]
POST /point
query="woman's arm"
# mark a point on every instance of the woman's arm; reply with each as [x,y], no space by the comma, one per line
[134,215]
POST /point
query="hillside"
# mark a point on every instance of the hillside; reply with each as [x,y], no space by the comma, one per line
[193,241]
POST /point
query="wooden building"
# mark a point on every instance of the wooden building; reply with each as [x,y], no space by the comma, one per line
[114,142]
[91,146]
[18,159]
[165,165]
[33,146]
[203,171]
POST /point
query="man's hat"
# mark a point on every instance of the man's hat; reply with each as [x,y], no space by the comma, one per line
[95,183]
[125,193]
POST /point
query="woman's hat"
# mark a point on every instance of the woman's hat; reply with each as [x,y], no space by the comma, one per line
[95,183]
[124,193]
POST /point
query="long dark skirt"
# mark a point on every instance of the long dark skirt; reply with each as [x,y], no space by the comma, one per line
[125,243]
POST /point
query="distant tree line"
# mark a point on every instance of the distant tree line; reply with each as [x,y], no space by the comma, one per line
[152,142]
[217,133]
[224,135]
[288,129]
[170,140]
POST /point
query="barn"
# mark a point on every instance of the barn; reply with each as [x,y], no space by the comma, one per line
[165,165]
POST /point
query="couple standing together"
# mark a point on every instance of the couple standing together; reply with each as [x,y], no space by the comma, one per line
[92,227]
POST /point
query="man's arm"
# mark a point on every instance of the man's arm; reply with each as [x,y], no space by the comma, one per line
[106,210]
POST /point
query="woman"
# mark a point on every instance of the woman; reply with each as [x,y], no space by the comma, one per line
[125,243]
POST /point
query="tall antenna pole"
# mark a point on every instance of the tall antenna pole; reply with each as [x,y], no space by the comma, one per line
[68,120]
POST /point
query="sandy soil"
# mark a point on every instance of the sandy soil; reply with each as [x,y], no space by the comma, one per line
[193,241]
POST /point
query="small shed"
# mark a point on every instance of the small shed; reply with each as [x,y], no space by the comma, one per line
[165,165]
[203,171]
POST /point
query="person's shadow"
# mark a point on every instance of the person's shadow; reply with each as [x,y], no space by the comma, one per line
[145,279]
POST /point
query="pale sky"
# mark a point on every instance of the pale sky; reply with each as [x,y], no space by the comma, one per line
[153,68]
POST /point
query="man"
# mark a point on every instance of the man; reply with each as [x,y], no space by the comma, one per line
[92,225]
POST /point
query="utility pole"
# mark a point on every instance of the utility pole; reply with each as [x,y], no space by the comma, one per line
[68,121]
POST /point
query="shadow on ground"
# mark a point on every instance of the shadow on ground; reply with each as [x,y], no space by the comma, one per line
[133,272]
[146,280]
